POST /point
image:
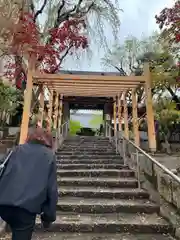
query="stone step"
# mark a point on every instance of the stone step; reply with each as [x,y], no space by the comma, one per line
[88,161]
[83,156]
[98,182]
[102,192]
[88,139]
[83,141]
[109,223]
[96,173]
[89,144]
[88,147]
[96,206]
[94,236]
[74,147]
[86,152]
[97,141]
[91,166]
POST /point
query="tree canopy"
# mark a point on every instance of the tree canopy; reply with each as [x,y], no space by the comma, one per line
[67,27]
[9,101]
[129,57]
[169,22]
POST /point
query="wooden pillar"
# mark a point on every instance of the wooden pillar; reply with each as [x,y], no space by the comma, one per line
[50,109]
[56,111]
[119,112]
[60,110]
[149,109]
[27,102]
[135,118]
[41,108]
[115,116]
[126,125]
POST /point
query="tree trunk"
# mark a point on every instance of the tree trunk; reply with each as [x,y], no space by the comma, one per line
[166,145]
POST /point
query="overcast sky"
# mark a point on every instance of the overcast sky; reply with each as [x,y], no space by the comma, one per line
[137,19]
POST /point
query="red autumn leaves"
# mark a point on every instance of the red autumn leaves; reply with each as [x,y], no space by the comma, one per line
[169,19]
[27,37]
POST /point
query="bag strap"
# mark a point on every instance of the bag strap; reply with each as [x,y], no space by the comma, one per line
[7,158]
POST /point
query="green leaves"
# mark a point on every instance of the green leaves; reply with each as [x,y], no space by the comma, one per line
[166,114]
[9,100]
[164,72]
[75,126]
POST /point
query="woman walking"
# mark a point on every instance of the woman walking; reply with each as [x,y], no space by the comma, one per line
[28,185]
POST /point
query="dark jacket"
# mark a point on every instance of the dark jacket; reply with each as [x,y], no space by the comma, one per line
[29,180]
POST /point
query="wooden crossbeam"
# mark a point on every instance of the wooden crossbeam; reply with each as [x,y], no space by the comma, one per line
[89,90]
[53,77]
[89,94]
[92,88]
[86,82]
[93,85]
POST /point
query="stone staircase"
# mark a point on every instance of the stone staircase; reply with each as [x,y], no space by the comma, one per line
[99,197]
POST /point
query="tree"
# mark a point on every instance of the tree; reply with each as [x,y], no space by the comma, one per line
[9,14]
[9,101]
[48,55]
[169,22]
[66,29]
[74,126]
[126,58]
[129,57]
[165,75]
[167,116]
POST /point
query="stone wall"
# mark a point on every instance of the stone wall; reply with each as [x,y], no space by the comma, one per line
[13,130]
[163,190]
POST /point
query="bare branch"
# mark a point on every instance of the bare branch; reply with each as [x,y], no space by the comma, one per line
[83,13]
[74,12]
[31,5]
[40,10]
[62,58]
[65,54]
[61,7]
